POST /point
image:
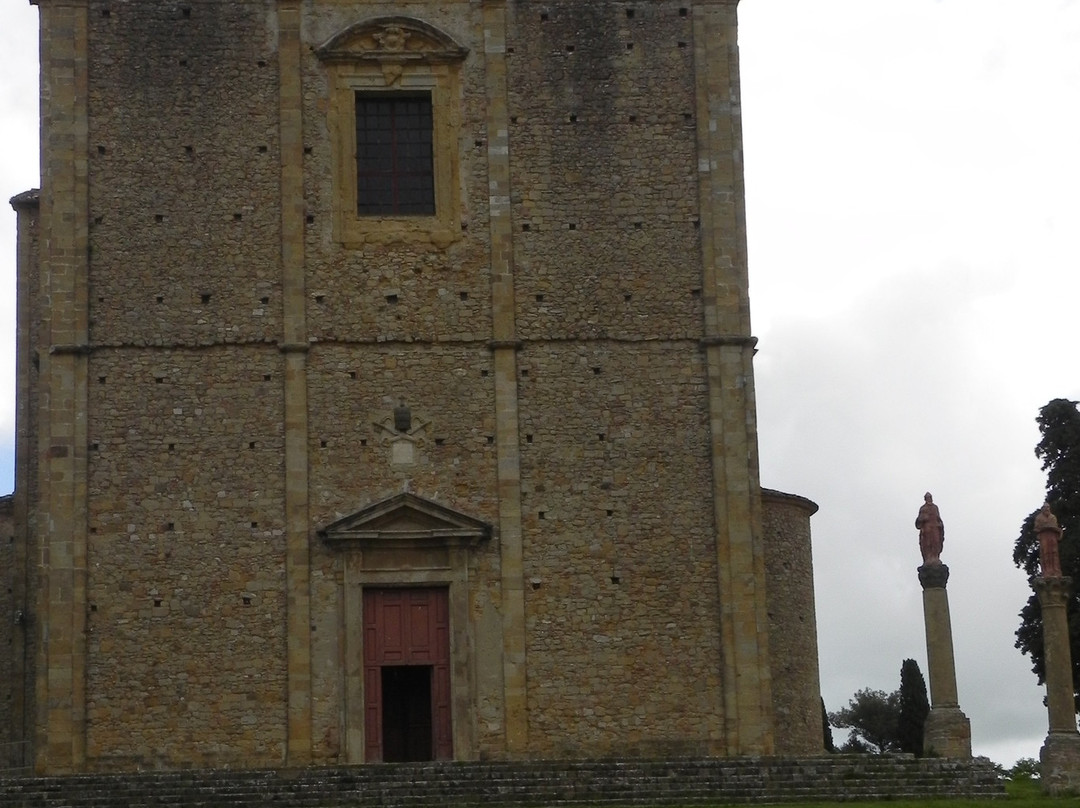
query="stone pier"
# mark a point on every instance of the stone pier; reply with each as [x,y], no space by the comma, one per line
[948,731]
[1060,753]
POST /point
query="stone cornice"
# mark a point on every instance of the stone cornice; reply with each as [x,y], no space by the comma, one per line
[77,349]
[771,495]
[730,339]
[27,199]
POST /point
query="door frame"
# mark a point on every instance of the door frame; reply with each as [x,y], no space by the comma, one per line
[462,714]
[407,541]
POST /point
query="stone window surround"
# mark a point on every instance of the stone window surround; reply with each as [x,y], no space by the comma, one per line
[395,54]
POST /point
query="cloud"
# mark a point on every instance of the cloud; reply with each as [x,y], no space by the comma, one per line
[910,198]
[18,172]
[911,208]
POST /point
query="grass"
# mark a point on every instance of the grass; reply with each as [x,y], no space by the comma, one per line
[1020,794]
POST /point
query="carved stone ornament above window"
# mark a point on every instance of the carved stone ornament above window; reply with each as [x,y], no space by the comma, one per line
[392,39]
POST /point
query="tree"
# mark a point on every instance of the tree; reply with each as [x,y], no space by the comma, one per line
[914,708]
[826,730]
[1059,451]
[1026,769]
[854,746]
[887,722]
[873,717]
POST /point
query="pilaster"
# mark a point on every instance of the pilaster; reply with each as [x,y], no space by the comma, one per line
[63,376]
[505,348]
[294,349]
[729,350]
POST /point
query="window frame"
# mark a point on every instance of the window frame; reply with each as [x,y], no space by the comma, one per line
[395,55]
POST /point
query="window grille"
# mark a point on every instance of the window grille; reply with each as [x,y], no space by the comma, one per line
[395,173]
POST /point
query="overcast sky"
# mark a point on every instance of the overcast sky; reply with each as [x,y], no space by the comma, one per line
[913,200]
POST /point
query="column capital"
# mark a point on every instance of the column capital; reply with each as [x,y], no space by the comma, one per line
[933,576]
[1052,591]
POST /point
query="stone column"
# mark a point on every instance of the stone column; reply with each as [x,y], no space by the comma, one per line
[948,731]
[1060,754]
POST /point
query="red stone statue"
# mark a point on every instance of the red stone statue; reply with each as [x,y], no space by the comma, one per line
[1049,532]
[931,531]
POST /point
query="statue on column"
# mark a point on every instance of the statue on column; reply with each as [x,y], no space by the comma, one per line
[931,531]
[1060,754]
[947,730]
[1049,532]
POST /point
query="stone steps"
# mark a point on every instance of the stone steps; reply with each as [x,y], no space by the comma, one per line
[519,784]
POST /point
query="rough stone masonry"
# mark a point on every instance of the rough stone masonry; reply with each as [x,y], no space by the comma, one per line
[385,392]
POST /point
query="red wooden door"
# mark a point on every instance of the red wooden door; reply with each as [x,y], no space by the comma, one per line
[407,629]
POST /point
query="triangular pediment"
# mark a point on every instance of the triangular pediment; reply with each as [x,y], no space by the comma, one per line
[391,39]
[406,518]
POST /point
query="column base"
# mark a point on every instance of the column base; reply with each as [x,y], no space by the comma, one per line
[947,733]
[1060,758]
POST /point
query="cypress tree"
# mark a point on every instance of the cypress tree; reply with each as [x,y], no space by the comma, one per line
[914,708]
[826,729]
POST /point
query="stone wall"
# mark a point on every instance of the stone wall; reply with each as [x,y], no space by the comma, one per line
[10,736]
[185,555]
[225,346]
[185,512]
[606,215]
[19,616]
[792,624]
[621,604]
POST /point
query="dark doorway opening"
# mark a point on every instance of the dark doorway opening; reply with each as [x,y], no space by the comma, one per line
[406,713]
[407,674]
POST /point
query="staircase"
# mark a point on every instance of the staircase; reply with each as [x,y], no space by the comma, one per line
[506,784]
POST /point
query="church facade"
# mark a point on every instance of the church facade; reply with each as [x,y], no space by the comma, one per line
[385,392]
